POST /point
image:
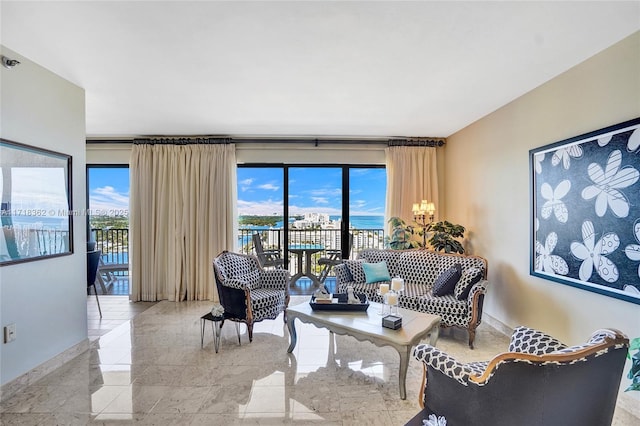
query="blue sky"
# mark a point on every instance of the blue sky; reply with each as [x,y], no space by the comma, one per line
[108,188]
[260,190]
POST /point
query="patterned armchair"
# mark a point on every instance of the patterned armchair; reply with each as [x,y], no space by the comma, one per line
[539,381]
[247,292]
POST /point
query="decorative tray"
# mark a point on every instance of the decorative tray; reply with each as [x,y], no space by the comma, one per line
[339,303]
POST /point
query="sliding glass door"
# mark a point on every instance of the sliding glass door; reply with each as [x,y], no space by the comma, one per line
[319,199]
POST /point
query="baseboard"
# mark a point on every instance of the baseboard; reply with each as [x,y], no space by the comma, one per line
[30,377]
[497,324]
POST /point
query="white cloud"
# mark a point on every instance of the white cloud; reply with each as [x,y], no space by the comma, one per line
[269,187]
[107,199]
[260,208]
[245,184]
[326,192]
[320,200]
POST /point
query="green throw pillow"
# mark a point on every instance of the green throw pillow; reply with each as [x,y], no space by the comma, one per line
[376,272]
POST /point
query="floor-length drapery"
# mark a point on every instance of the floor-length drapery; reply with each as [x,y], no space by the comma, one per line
[182,214]
[412,176]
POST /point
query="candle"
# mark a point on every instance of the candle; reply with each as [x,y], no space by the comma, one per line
[397,283]
[392,299]
[384,289]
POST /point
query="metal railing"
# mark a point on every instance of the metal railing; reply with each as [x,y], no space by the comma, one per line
[114,242]
[114,245]
[330,239]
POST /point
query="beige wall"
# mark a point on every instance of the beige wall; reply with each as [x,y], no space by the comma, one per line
[262,153]
[486,178]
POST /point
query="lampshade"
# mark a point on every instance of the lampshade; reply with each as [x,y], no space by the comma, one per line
[431,209]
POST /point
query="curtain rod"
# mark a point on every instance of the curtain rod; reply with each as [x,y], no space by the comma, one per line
[429,142]
[181,141]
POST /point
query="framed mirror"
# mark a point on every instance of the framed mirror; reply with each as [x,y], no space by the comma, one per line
[35,205]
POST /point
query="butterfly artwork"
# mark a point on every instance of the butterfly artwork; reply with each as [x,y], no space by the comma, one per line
[585,211]
[547,261]
[554,201]
[594,254]
[608,183]
[564,155]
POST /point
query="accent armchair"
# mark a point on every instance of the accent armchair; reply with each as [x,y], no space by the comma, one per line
[539,381]
[248,292]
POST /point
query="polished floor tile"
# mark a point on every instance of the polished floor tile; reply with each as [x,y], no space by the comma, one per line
[145,366]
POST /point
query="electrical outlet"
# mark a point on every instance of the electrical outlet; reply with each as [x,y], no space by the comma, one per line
[10,333]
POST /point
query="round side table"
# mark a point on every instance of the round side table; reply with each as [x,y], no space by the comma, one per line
[216,324]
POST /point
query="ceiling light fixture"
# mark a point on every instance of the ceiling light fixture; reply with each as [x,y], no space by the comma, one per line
[9,63]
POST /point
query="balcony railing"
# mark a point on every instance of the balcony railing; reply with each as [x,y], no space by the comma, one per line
[328,238]
[114,242]
[114,245]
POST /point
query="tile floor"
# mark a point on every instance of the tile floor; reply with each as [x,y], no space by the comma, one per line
[146,367]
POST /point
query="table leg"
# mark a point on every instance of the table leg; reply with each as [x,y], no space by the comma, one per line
[299,274]
[307,268]
[216,334]
[202,324]
[404,365]
[433,337]
[292,334]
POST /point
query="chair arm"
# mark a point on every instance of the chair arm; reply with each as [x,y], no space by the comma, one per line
[244,282]
[478,288]
[446,364]
[275,278]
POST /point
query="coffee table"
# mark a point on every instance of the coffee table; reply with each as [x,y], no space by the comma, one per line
[368,326]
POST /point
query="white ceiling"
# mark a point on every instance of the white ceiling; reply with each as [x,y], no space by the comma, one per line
[306,68]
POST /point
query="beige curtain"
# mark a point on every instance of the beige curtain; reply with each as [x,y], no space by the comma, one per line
[412,176]
[182,214]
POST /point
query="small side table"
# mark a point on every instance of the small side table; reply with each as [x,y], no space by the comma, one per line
[216,324]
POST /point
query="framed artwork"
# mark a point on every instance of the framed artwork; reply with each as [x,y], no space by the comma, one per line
[585,211]
[36,203]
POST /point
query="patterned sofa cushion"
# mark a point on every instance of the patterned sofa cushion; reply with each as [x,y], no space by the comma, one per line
[470,277]
[452,310]
[355,269]
[419,266]
[534,342]
[446,282]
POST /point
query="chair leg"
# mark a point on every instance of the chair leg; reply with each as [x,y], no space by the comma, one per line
[95,290]
[250,330]
[472,336]
[238,332]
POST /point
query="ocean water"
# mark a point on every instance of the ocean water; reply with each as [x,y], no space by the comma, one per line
[357,222]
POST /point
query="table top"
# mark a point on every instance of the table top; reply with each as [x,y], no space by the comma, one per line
[369,323]
[306,247]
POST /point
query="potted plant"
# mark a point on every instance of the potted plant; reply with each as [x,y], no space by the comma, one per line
[402,235]
[443,236]
[634,372]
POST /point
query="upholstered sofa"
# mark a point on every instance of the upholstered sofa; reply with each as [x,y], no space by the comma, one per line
[539,382]
[421,270]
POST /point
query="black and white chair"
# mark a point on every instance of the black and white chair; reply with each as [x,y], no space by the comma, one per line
[248,293]
[538,382]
